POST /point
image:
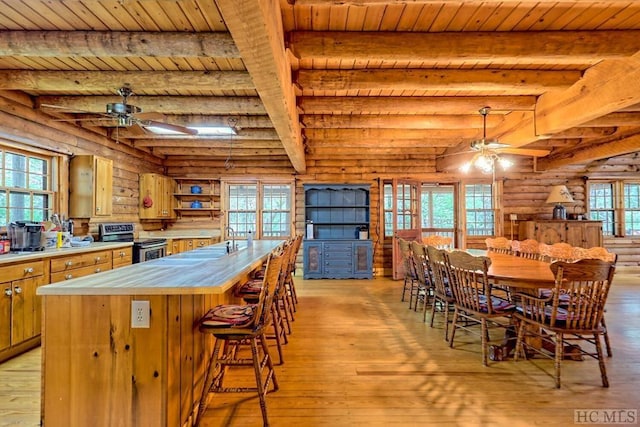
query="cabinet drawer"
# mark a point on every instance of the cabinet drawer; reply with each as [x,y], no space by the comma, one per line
[61,276]
[337,248]
[122,257]
[20,271]
[79,261]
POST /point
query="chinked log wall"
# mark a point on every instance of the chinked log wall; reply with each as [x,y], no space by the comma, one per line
[524,191]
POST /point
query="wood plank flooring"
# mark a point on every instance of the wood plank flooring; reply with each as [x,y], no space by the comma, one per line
[359,356]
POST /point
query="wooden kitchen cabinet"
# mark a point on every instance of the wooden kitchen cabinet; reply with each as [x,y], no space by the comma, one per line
[90,187]
[121,257]
[20,308]
[177,246]
[585,234]
[74,266]
[160,190]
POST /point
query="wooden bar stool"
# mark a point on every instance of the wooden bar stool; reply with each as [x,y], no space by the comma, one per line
[236,325]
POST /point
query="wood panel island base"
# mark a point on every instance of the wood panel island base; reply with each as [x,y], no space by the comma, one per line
[99,371]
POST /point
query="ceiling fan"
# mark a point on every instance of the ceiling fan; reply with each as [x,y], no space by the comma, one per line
[487,151]
[122,114]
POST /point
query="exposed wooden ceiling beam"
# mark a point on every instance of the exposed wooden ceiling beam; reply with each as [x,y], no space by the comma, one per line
[587,154]
[237,121]
[516,82]
[615,119]
[444,121]
[161,104]
[218,152]
[268,134]
[412,105]
[256,28]
[110,81]
[559,47]
[605,88]
[425,135]
[116,44]
[208,143]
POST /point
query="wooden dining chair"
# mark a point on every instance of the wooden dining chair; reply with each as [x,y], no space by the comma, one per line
[474,299]
[233,326]
[598,252]
[577,316]
[251,290]
[423,276]
[529,248]
[437,241]
[442,294]
[498,244]
[410,276]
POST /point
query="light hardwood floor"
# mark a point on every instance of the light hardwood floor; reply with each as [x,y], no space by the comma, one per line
[359,356]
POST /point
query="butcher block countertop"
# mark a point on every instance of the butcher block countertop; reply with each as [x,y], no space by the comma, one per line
[207,270]
[51,253]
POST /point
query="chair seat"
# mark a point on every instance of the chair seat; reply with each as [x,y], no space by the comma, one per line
[499,304]
[227,316]
[250,287]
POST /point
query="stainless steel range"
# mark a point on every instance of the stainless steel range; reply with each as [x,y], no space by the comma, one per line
[143,249]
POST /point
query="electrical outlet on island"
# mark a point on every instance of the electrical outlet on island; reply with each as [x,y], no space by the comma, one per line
[140,314]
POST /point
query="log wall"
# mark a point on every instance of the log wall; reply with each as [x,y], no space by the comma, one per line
[525,188]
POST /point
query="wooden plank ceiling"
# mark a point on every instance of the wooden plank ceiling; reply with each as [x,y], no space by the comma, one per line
[341,79]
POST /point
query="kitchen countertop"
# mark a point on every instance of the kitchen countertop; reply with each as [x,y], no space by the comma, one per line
[51,253]
[207,270]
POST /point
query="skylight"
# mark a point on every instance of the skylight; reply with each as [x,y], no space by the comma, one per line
[202,130]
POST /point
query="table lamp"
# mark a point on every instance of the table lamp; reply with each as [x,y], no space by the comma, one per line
[559,194]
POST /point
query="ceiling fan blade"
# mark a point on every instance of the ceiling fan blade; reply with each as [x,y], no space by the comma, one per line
[150,116]
[523,151]
[136,129]
[170,127]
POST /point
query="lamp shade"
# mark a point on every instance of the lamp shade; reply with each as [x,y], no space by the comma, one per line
[560,194]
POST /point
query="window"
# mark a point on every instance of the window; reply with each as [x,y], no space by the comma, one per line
[617,205]
[601,205]
[479,209]
[632,209]
[276,210]
[25,187]
[269,202]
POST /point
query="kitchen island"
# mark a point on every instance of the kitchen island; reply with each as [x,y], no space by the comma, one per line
[100,371]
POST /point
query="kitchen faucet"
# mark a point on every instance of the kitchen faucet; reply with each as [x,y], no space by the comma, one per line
[232,233]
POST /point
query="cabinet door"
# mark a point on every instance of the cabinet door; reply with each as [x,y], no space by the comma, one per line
[186,245]
[551,232]
[103,186]
[312,260]
[592,234]
[362,264]
[167,199]
[575,234]
[5,315]
[175,246]
[25,309]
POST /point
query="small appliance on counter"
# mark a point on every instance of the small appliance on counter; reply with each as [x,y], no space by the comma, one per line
[25,236]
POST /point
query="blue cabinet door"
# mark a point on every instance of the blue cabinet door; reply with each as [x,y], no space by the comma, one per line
[313,261]
[363,259]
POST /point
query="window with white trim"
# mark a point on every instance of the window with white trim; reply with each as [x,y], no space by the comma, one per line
[601,205]
[25,186]
[262,208]
[479,209]
[617,205]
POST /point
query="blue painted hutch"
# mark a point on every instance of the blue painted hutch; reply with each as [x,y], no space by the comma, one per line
[337,244]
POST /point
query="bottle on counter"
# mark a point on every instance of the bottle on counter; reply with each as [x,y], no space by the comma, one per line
[5,245]
[249,238]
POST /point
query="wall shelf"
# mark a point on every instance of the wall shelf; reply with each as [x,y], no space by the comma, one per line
[209,197]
